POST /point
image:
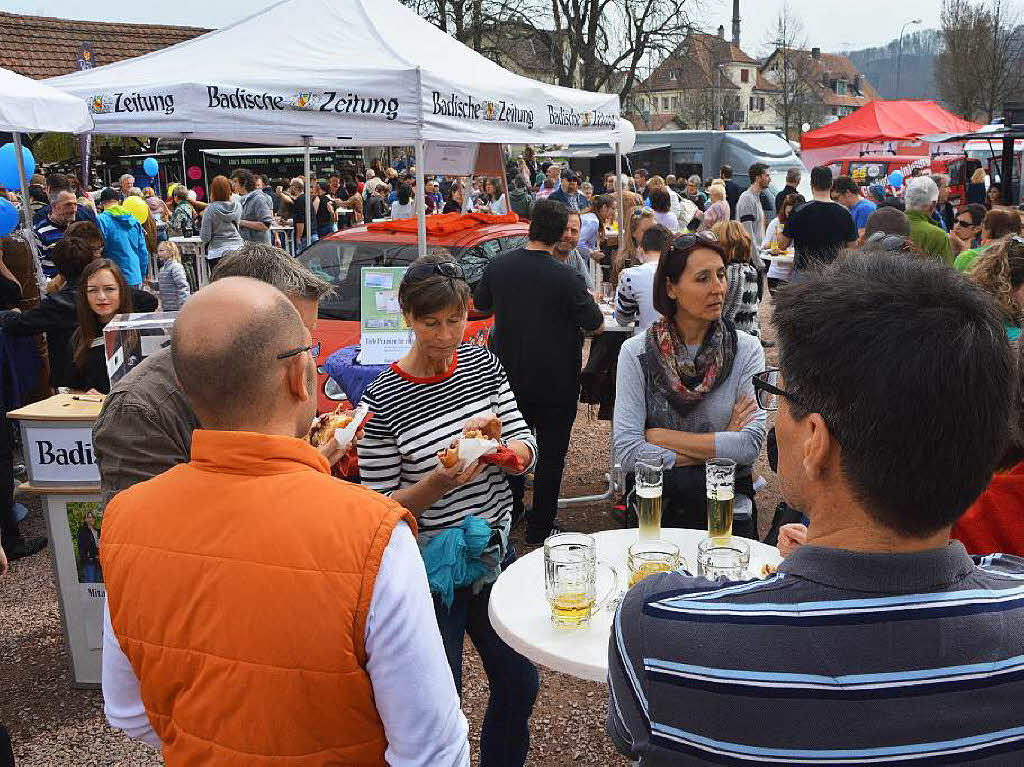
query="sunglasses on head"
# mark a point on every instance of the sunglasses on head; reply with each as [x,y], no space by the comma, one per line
[692,239]
[449,269]
[888,242]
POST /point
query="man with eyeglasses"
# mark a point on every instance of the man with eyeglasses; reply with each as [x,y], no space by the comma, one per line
[259,609]
[146,424]
[878,623]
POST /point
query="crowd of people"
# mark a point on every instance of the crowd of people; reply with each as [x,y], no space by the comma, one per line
[319,621]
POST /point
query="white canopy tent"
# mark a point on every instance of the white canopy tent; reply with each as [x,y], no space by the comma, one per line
[360,73]
[30,106]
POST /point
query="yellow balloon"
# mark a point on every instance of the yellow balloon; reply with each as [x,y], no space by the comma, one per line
[138,208]
[170,190]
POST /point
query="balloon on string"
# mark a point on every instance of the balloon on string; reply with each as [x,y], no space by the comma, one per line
[150,166]
[896,179]
[137,207]
[8,217]
[9,166]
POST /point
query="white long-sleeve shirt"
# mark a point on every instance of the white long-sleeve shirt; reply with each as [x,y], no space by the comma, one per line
[412,683]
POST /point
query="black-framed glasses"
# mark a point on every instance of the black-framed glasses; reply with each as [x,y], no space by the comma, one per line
[313,349]
[450,269]
[766,388]
[887,242]
[967,223]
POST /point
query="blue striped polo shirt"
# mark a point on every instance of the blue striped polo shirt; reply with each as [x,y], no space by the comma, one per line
[840,657]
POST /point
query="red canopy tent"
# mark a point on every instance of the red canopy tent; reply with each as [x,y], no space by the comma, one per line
[887,121]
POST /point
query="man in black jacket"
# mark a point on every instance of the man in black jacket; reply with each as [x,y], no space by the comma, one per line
[732,190]
[541,311]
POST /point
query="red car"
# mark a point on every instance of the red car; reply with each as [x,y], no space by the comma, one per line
[339,257]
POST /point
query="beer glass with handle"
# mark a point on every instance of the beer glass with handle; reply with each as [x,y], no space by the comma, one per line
[650,472]
[570,579]
[720,478]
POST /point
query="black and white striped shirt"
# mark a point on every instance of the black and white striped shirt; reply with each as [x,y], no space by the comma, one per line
[415,418]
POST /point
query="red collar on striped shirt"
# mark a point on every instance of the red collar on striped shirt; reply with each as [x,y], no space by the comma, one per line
[430,379]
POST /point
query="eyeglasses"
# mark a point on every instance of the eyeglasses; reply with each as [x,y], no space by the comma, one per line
[313,349]
[766,388]
[888,242]
[692,240]
[967,223]
[449,269]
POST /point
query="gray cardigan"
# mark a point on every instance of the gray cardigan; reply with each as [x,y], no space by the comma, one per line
[635,411]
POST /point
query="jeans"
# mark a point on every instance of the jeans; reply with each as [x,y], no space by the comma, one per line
[91,573]
[553,425]
[513,680]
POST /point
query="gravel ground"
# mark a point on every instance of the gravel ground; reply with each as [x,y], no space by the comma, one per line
[52,723]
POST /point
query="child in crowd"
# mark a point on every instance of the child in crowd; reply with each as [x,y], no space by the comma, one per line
[174,289]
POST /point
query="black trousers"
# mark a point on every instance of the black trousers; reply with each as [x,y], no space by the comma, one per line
[552,425]
[9,531]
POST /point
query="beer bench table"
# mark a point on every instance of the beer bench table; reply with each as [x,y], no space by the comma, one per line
[521,616]
[56,436]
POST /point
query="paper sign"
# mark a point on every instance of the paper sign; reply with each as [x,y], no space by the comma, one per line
[384,337]
[61,455]
[449,159]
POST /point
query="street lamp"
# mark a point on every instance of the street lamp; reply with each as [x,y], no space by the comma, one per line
[899,54]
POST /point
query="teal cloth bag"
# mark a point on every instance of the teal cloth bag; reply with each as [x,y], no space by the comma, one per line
[452,557]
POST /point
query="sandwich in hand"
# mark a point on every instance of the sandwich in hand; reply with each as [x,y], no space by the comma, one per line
[338,426]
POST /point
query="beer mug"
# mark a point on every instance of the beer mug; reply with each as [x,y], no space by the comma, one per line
[720,478]
[649,557]
[723,557]
[570,579]
[650,470]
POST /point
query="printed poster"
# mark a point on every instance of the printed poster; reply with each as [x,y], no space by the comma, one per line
[384,337]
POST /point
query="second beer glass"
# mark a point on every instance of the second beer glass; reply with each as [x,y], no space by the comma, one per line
[650,470]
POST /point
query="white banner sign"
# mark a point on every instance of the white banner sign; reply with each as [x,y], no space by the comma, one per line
[61,455]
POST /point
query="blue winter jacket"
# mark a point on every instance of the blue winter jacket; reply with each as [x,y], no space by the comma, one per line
[124,243]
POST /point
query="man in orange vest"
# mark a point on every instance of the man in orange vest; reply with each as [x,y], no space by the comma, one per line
[261,612]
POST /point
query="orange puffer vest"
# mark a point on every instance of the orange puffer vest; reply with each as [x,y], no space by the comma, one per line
[239,586]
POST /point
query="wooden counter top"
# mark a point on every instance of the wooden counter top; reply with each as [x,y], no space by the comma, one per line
[61,407]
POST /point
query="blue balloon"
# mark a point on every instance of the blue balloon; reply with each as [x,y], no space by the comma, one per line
[896,178]
[8,217]
[150,166]
[9,166]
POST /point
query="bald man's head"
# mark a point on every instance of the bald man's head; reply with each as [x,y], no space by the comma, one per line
[225,346]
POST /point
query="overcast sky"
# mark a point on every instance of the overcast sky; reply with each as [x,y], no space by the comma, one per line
[830,24]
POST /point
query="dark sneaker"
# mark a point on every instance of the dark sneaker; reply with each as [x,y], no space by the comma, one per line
[24,547]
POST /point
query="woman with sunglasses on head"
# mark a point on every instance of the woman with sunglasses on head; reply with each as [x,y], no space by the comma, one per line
[684,388]
[439,391]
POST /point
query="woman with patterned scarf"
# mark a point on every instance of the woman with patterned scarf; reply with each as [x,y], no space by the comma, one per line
[684,388]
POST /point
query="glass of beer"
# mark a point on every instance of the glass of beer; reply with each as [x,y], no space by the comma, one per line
[570,579]
[723,557]
[720,476]
[650,472]
[649,557]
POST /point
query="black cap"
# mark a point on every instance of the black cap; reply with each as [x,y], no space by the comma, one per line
[570,175]
[110,195]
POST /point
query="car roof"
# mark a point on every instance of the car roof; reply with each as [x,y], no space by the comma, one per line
[475,234]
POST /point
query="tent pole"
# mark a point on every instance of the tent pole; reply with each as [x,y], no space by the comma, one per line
[504,176]
[421,203]
[622,204]
[26,211]
[308,184]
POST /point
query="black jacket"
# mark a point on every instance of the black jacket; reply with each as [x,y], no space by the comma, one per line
[88,551]
[56,316]
[732,196]
[541,309]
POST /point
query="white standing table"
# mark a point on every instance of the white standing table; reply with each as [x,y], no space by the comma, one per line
[287,233]
[521,616]
[195,247]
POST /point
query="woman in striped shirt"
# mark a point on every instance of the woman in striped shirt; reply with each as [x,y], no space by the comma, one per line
[438,391]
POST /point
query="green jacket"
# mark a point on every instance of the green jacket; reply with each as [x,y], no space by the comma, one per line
[929,237]
[967,258]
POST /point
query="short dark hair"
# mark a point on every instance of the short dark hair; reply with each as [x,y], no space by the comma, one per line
[57,183]
[245,177]
[642,172]
[821,178]
[660,201]
[547,221]
[844,184]
[912,460]
[70,256]
[755,171]
[725,172]
[976,211]
[434,293]
[671,265]
[351,188]
[657,238]
[404,194]
[265,263]
[887,220]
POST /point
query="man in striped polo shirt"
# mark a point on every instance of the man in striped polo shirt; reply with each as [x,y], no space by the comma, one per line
[879,641]
[50,230]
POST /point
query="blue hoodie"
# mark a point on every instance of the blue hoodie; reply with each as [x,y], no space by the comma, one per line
[124,243]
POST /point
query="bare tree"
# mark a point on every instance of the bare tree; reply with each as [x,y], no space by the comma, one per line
[979,66]
[793,73]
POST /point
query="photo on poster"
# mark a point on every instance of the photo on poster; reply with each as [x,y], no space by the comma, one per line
[84,520]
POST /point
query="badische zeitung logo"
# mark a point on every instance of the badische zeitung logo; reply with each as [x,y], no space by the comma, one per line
[334,102]
[121,102]
[571,118]
[469,108]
